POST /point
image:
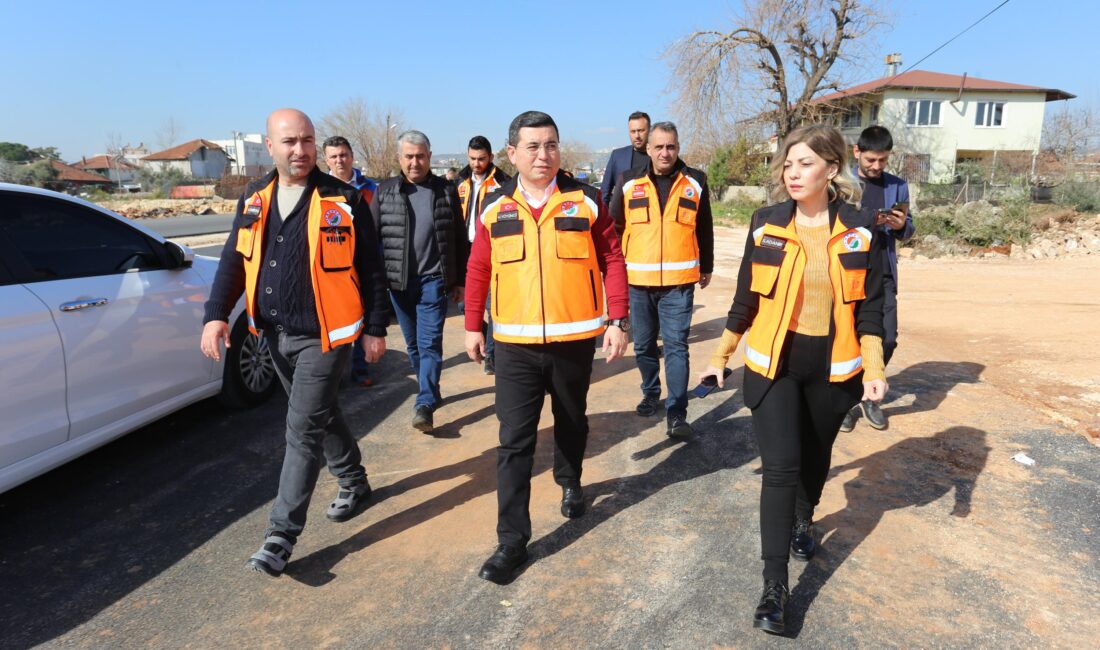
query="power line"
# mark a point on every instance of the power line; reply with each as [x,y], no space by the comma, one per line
[991,12]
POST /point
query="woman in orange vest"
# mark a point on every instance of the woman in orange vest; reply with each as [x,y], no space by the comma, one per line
[808,305]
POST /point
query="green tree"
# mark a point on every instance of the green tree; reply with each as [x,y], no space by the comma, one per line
[737,163]
[15,152]
[46,153]
[36,174]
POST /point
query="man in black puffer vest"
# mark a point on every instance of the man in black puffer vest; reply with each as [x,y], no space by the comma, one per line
[419,221]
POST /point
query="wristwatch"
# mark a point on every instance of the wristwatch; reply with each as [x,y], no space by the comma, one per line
[621,323]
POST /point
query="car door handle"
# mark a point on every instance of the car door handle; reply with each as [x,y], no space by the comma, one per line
[83,304]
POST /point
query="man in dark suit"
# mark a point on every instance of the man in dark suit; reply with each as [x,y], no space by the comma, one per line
[629,157]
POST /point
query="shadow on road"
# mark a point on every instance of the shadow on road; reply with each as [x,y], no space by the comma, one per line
[912,473]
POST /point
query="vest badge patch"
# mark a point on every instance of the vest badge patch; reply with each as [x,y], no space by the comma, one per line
[569,209]
[255,207]
[333,217]
[852,241]
[639,191]
[768,241]
[462,189]
[508,212]
[689,192]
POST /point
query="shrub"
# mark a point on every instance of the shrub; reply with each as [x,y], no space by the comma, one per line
[1083,197]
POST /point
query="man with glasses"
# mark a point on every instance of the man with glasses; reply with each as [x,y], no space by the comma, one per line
[549,250]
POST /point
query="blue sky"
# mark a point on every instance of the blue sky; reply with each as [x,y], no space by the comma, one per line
[75,72]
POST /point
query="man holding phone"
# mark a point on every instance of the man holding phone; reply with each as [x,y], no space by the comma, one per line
[889,196]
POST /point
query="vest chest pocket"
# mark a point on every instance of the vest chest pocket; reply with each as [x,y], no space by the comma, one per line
[337,248]
[247,235]
[572,234]
[637,210]
[853,275]
[507,240]
[686,211]
[766,263]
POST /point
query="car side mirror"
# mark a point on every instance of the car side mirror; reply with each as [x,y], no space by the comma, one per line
[181,256]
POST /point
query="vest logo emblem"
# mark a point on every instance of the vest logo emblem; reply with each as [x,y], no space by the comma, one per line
[689,192]
[332,217]
[462,189]
[767,241]
[255,207]
[569,209]
[639,191]
[852,242]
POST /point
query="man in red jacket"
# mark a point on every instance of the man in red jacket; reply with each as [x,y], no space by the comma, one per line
[548,247]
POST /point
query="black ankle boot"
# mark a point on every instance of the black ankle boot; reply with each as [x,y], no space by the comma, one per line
[803,545]
[771,612]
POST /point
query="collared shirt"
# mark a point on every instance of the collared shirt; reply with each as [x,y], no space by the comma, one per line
[472,206]
[533,202]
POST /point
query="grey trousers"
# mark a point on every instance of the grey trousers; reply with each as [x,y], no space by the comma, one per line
[316,432]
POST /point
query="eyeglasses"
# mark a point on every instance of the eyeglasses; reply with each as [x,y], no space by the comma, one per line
[532,149]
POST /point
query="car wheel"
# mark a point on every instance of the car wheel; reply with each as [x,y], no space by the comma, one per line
[249,375]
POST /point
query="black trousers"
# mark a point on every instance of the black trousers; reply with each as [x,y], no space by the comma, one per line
[796,424]
[524,375]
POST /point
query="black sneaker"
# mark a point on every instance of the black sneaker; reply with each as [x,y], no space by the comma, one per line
[490,366]
[422,419]
[875,417]
[679,428]
[849,422]
[648,406]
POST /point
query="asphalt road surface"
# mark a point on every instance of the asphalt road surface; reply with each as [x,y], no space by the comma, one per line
[933,535]
[189,225]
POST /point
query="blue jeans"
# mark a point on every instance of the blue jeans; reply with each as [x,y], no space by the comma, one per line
[666,310]
[420,311]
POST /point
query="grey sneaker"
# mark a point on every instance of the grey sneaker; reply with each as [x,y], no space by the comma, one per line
[272,556]
[349,502]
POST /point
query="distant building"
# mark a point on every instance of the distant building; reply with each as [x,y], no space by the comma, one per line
[115,168]
[939,120]
[197,158]
[247,154]
[73,178]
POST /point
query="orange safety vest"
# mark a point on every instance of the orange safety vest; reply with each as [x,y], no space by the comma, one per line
[546,282]
[661,249]
[777,265]
[331,255]
[466,186]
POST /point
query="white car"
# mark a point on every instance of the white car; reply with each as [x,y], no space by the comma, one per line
[100,320]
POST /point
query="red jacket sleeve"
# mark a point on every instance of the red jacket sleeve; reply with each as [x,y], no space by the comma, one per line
[612,264]
[479,269]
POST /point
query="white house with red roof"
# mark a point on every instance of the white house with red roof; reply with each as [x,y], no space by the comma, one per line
[939,120]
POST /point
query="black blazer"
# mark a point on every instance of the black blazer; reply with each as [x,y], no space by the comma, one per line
[868,311]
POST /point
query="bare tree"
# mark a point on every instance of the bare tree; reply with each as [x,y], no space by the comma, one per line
[575,155]
[777,57]
[372,132]
[1072,133]
[500,159]
[168,134]
[114,143]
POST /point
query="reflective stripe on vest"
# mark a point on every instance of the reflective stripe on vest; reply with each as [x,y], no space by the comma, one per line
[757,357]
[663,266]
[550,329]
[846,367]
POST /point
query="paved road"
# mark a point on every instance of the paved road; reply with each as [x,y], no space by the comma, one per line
[934,536]
[189,225]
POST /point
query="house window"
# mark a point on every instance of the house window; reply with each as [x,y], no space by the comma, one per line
[851,118]
[923,112]
[874,113]
[989,114]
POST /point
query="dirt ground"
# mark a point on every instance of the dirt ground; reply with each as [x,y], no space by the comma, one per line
[933,535]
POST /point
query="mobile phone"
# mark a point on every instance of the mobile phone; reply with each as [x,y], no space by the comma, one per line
[709,383]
